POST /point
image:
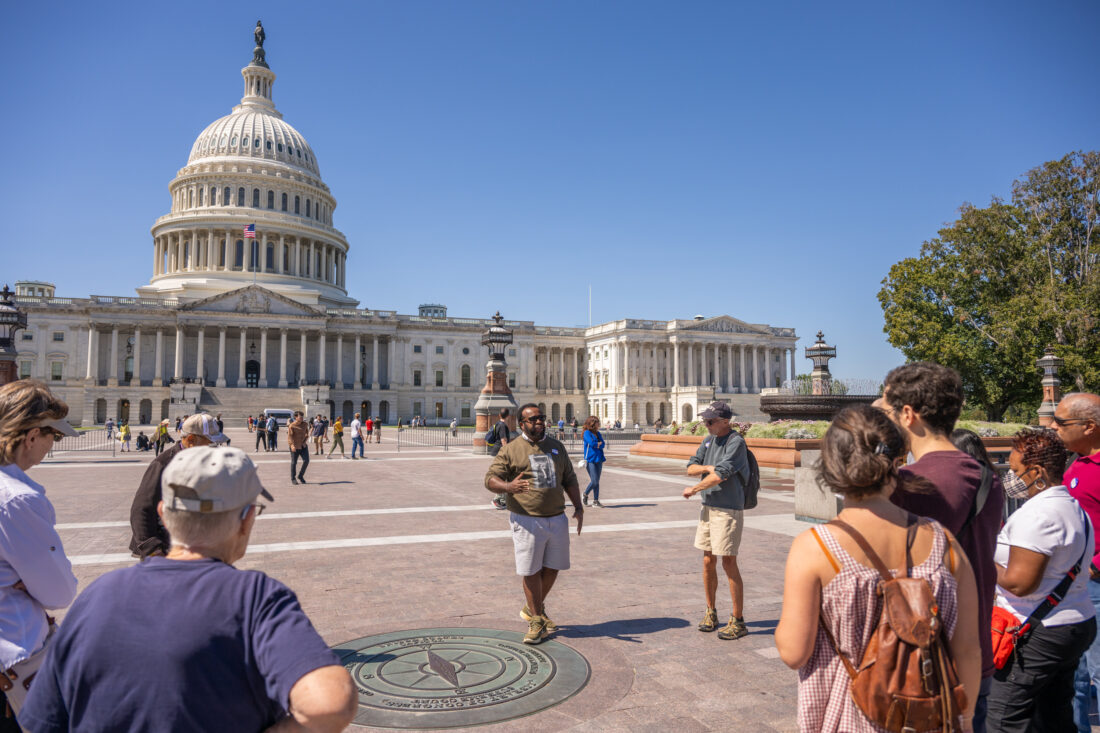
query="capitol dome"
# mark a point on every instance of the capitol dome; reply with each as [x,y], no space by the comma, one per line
[248,168]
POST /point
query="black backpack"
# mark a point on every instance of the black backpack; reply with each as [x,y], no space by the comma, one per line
[752,486]
[491,436]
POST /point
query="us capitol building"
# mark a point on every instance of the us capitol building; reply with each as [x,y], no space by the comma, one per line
[232,325]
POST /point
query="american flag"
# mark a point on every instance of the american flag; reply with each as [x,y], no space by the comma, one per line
[250,231]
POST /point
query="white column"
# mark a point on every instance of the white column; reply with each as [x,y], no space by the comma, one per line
[755,370]
[241,357]
[221,357]
[177,371]
[211,258]
[339,361]
[675,364]
[717,371]
[112,365]
[742,374]
[561,369]
[279,254]
[576,370]
[321,351]
[626,364]
[92,370]
[374,380]
[391,357]
[263,357]
[282,357]
[729,367]
[792,364]
[357,383]
[766,357]
[158,360]
[302,362]
[691,382]
[199,357]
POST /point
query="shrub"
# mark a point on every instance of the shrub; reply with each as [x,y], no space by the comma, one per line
[780,428]
[990,429]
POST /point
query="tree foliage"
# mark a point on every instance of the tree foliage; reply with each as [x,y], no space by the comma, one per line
[1003,282]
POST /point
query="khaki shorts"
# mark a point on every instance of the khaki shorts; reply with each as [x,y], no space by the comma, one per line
[719,530]
[540,542]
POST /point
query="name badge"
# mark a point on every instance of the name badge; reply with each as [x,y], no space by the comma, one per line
[554,451]
[1073,483]
[707,444]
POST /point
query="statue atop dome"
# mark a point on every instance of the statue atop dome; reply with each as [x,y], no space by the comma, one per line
[258,57]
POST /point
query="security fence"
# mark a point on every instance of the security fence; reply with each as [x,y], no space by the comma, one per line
[463,438]
[89,441]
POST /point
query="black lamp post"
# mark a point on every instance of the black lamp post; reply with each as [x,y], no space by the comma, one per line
[496,338]
[12,320]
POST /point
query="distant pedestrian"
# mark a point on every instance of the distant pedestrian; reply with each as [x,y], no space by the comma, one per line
[297,436]
[593,459]
[574,425]
[337,438]
[124,436]
[454,427]
[368,428]
[317,433]
[161,438]
[110,427]
[357,437]
[377,429]
[272,433]
[179,424]
[561,428]
[251,423]
[142,443]
[261,434]
[221,427]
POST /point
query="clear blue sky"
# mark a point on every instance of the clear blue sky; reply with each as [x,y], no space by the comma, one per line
[765,160]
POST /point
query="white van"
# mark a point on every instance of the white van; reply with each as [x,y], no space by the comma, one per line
[282,417]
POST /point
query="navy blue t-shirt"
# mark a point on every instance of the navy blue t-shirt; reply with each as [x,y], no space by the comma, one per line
[172,645]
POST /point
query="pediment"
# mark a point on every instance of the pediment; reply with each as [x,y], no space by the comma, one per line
[252,299]
[723,324]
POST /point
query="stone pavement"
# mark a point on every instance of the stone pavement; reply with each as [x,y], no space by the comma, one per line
[407,540]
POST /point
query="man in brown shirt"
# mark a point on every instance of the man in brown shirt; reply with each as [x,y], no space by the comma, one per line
[297,435]
[534,473]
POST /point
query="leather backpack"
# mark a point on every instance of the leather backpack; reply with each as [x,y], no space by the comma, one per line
[906,681]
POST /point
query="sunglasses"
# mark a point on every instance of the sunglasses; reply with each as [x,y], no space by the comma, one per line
[535,418]
[259,510]
[57,435]
[1064,421]
[712,420]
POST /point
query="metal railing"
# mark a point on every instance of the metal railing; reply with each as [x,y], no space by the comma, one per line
[89,441]
[463,438]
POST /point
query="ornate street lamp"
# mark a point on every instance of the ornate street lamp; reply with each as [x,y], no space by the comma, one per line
[496,394]
[820,354]
[12,321]
[1052,385]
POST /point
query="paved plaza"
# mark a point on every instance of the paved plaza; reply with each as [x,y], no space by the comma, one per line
[407,540]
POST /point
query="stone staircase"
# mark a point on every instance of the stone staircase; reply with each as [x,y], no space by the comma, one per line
[746,407]
[236,404]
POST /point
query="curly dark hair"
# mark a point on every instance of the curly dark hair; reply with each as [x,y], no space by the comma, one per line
[1041,447]
[859,451]
[933,391]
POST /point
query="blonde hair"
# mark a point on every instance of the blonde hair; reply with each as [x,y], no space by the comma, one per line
[24,404]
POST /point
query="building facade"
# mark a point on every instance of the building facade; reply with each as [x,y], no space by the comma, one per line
[233,324]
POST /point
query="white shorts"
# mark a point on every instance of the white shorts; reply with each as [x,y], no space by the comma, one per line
[540,542]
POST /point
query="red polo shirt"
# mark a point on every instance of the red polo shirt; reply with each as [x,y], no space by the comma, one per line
[1083,481]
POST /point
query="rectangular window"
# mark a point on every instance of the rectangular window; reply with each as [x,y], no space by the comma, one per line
[511,352]
[465,410]
[417,408]
[438,378]
[58,336]
[55,370]
[439,349]
[416,377]
[439,409]
[24,370]
[28,336]
[512,381]
[416,348]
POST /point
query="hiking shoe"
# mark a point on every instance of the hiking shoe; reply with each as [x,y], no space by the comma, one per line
[525,614]
[735,629]
[710,620]
[293,480]
[586,499]
[536,630]
[596,502]
[302,480]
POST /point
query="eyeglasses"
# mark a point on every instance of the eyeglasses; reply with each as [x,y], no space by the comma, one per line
[535,418]
[1064,421]
[57,435]
[259,510]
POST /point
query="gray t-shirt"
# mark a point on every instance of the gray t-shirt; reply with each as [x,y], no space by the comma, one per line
[729,456]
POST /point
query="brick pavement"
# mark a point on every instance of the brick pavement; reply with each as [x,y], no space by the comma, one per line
[629,604]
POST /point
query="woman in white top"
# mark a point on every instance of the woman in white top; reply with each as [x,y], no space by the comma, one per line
[35,575]
[1039,544]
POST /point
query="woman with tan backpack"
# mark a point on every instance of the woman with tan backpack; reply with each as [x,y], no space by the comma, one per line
[880,608]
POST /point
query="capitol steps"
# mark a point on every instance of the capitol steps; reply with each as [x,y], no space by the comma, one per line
[236,403]
[746,407]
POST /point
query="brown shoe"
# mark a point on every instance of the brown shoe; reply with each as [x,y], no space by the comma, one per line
[525,614]
[710,620]
[735,629]
[536,630]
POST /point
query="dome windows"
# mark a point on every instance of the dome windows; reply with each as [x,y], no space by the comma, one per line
[269,145]
[256,143]
[284,202]
[226,198]
[240,196]
[255,198]
[271,199]
[224,139]
[297,204]
[280,147]
[233,142]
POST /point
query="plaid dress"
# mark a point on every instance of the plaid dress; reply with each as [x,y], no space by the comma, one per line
[851,608]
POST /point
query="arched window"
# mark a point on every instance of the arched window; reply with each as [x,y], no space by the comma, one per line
[269,145]
[465,375]
[238,257]
[255,198]
[297,204]
[213,196]
[240,196]
[186,255]
[200,197]
[256,143]
[190,198]
[269,265]
[307,207]
[284,202]
[227,196]
[271,199]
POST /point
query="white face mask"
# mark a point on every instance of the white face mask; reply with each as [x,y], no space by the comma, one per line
[1015,487]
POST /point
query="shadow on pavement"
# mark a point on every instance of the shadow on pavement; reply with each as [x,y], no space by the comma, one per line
[622,629]
[623,506]
[762,627]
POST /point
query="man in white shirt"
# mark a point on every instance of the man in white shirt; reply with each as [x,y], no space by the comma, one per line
[357,437]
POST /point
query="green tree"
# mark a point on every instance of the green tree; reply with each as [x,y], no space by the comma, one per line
[1002,282]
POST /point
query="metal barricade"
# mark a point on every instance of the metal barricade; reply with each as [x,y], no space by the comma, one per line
[89,441]
[444,438]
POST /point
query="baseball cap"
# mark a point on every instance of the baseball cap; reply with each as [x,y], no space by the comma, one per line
[717,409]
[61,426]
[203,425]
[207,479]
